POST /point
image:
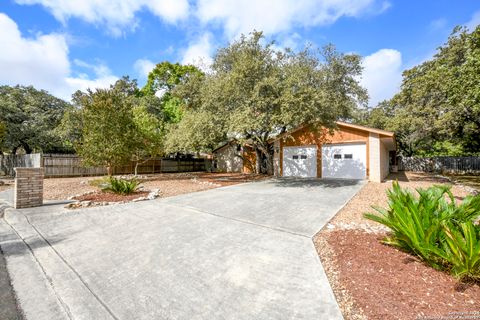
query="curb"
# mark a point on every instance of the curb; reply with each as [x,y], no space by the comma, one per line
[34,295]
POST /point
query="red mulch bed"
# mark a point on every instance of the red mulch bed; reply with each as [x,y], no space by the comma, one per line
[111,197]
[386,283]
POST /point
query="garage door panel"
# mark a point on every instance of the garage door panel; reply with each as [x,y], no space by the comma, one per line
[300,161]
[346,161]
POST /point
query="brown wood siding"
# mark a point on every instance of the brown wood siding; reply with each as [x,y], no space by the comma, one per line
[309,136]
[249,160]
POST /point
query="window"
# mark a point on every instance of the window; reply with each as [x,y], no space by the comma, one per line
[348,156]
[337,156]
[295,157]
[303,156]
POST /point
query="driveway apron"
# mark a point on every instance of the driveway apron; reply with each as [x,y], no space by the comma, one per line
[239,252]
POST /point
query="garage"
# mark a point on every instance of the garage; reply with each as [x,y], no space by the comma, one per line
[300,161]
[344,161]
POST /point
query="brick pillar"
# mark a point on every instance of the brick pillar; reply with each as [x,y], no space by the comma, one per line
[28,187]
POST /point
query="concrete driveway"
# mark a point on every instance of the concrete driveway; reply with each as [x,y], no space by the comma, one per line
[239,252]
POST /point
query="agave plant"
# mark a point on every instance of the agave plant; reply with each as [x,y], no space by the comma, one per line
[433,227]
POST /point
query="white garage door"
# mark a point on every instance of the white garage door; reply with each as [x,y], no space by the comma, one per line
[300,161]
[347,161]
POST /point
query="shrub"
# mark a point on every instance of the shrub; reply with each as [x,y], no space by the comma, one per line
[99,183]
[461,249]
[121,186]
[433,227]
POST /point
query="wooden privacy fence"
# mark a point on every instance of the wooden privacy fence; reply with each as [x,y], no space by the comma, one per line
[70,165]
[440,164]
[10,161]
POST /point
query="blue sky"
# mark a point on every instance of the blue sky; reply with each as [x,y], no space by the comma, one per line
[63,46]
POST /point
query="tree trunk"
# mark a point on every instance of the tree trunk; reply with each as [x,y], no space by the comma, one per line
[136,168]
[27,148]
[258,160]
[269,160]
[109,170]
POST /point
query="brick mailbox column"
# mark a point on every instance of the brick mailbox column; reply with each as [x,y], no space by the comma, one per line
[28,187]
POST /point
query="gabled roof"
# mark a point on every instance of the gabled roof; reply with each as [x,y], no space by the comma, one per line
[381,133]
[223,145]
[368,129]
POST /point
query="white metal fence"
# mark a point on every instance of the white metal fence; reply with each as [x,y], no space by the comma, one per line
[440,164]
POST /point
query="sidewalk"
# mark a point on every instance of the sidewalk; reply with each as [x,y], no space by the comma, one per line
[9,309]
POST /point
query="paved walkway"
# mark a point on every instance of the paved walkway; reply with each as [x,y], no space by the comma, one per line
[239,252]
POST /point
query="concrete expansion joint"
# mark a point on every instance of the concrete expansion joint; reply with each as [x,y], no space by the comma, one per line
[242,221]
[44,273]
[63,304]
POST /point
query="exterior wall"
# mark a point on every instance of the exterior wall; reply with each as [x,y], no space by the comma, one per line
[379,159]
[384,161]
[28,190]
[249,160]
[375,157]
[309,136]
[228,159]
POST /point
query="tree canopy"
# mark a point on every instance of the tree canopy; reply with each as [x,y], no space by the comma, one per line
[29,117]
[116,125]
[3,134]
[162,80]
[437,111]
[253,92]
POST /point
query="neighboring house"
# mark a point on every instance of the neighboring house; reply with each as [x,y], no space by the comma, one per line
[232,157]
[349,152]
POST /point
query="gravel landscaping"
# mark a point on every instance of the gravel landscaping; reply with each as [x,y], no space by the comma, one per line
[351,216]
[471,180]
[376,281]
[6,184]
[169,184]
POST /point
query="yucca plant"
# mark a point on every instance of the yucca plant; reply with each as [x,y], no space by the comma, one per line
[433,227]
[121,186]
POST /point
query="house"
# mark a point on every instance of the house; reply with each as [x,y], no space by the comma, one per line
[349,152]
[232,157]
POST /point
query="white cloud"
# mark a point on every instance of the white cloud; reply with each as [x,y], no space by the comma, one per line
[103,78]
[169,10]
[116,15]
[292,41]
[474,22]
[73,84]
[242,16]
[40,60]
[382,74]
[43,62]
[143,67]
[438,24]
[199,52]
